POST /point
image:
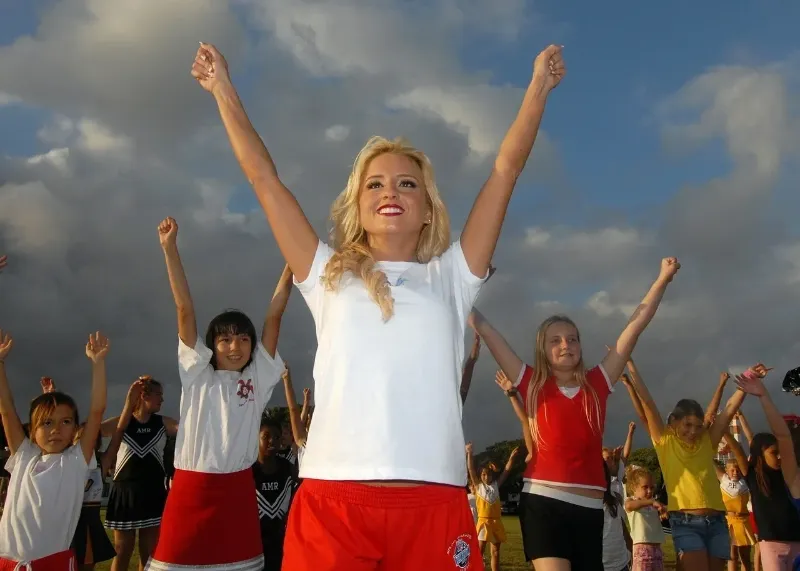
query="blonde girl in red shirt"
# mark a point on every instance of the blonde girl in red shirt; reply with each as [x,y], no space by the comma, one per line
[561,507]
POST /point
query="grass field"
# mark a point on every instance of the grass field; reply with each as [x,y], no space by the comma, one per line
[511,556]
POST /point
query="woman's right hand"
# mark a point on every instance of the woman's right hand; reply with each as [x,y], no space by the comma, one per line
[134,393]
[210,68]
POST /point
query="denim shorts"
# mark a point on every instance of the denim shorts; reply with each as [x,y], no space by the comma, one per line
[701,533]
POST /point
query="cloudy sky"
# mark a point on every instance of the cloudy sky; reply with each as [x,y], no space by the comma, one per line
[676,132]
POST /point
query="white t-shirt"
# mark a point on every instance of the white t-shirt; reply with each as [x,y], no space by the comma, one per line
[615,552]
[44,500]
[221,410]
[473,506]
[387,393]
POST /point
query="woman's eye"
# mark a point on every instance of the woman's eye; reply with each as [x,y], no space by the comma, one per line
[409,184]
[373,185]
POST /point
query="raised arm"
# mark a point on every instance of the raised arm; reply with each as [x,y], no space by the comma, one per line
[187,322]
[723,420]
[298,427]
[754,385]
[635,400]
[272,324]
[501,479]
[508,387]
[474,480]
[614,362]
[479,237]
[626,448]
[305,412]
[738,452]
[469,367]
[96,350]
[110,453]
[655,424]
[746,430]
[12,425]
[713,406]
[293,232]
[502,352]
[3,262]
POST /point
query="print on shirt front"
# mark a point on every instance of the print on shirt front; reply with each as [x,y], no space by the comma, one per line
[141,452]
[274,493]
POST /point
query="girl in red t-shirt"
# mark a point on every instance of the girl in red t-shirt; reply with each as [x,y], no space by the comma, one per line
[561,507]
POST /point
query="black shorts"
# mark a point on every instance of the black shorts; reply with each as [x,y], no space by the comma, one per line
[135,505]
[554,528]
[90,542]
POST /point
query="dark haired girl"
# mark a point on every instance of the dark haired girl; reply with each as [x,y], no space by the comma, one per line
[211,516]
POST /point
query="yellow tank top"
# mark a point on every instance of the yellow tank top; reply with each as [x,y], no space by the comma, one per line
[735,495]
[487,501]
[689,473]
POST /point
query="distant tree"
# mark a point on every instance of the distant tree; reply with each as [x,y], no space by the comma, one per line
[646,457]
[279,414]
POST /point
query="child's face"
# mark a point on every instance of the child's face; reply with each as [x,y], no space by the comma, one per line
[153,399]
[689,429]
[286,436]
[772,457]
[232,351]
[644,488]
[732,470]
[611,461]
[57,431]
[268,439]
[562,346]
[487,477]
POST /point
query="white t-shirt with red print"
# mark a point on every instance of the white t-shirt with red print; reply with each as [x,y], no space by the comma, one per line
[221,410]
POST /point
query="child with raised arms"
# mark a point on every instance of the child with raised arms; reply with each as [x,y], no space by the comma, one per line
[48,471]
[210,519]
[390,297]
[561,507]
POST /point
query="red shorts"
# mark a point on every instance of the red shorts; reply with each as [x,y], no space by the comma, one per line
[210,521]
[62,561]
[345,526]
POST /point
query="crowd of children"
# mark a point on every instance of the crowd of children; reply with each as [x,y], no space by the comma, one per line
[383,465]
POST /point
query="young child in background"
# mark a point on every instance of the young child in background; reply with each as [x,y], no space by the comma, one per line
[615,534]
[48,471]
[644,513]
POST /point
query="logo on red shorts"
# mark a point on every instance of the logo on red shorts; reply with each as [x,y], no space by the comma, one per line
[459,550]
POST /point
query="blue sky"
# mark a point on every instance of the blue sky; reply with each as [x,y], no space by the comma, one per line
[675,132]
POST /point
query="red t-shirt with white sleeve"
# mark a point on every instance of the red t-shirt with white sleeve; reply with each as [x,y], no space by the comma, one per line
[570,450]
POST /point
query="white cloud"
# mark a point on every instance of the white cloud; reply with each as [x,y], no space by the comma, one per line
[55,157]
[337,133]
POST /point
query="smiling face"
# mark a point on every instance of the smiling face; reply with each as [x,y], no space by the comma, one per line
[54,432]
[562,346]
[232,350]
[269,438]
[393,199]
[689,429]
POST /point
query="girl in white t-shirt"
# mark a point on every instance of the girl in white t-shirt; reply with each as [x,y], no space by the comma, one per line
[615,534]
[645,513]
[48,471]
[390,299]
[211,516]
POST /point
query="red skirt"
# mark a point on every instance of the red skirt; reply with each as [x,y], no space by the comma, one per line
[210,521]
[62,561]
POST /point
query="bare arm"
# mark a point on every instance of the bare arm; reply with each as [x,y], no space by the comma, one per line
[473,477]
[632,504]
[502,352]
[655,424]
[110,454]
[723,420]
[293,232]
[746,430]
[170,425]
[614,361]
[713,406]
[738,453]
[298,426]
[306,410]
[479,238]
[501,479]
[187,322]
[109,426]
[636,401]
[507,386]
[469,368]
[272,324]
[626,448]
[12,425]
[96,350]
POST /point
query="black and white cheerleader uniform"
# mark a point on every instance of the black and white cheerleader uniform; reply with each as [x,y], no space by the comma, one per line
[139,491]
[274,494]
[90,542]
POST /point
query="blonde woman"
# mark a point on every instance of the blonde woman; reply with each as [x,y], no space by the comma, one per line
[384,469]
[561,507]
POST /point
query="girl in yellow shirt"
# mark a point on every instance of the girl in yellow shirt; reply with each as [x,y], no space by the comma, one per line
[486,487]
[686,450]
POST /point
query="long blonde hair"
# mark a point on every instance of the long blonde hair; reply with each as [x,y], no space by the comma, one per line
[350,240]
[542,372]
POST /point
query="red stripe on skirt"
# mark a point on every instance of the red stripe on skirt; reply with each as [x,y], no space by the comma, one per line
[210,519]
[61,561]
